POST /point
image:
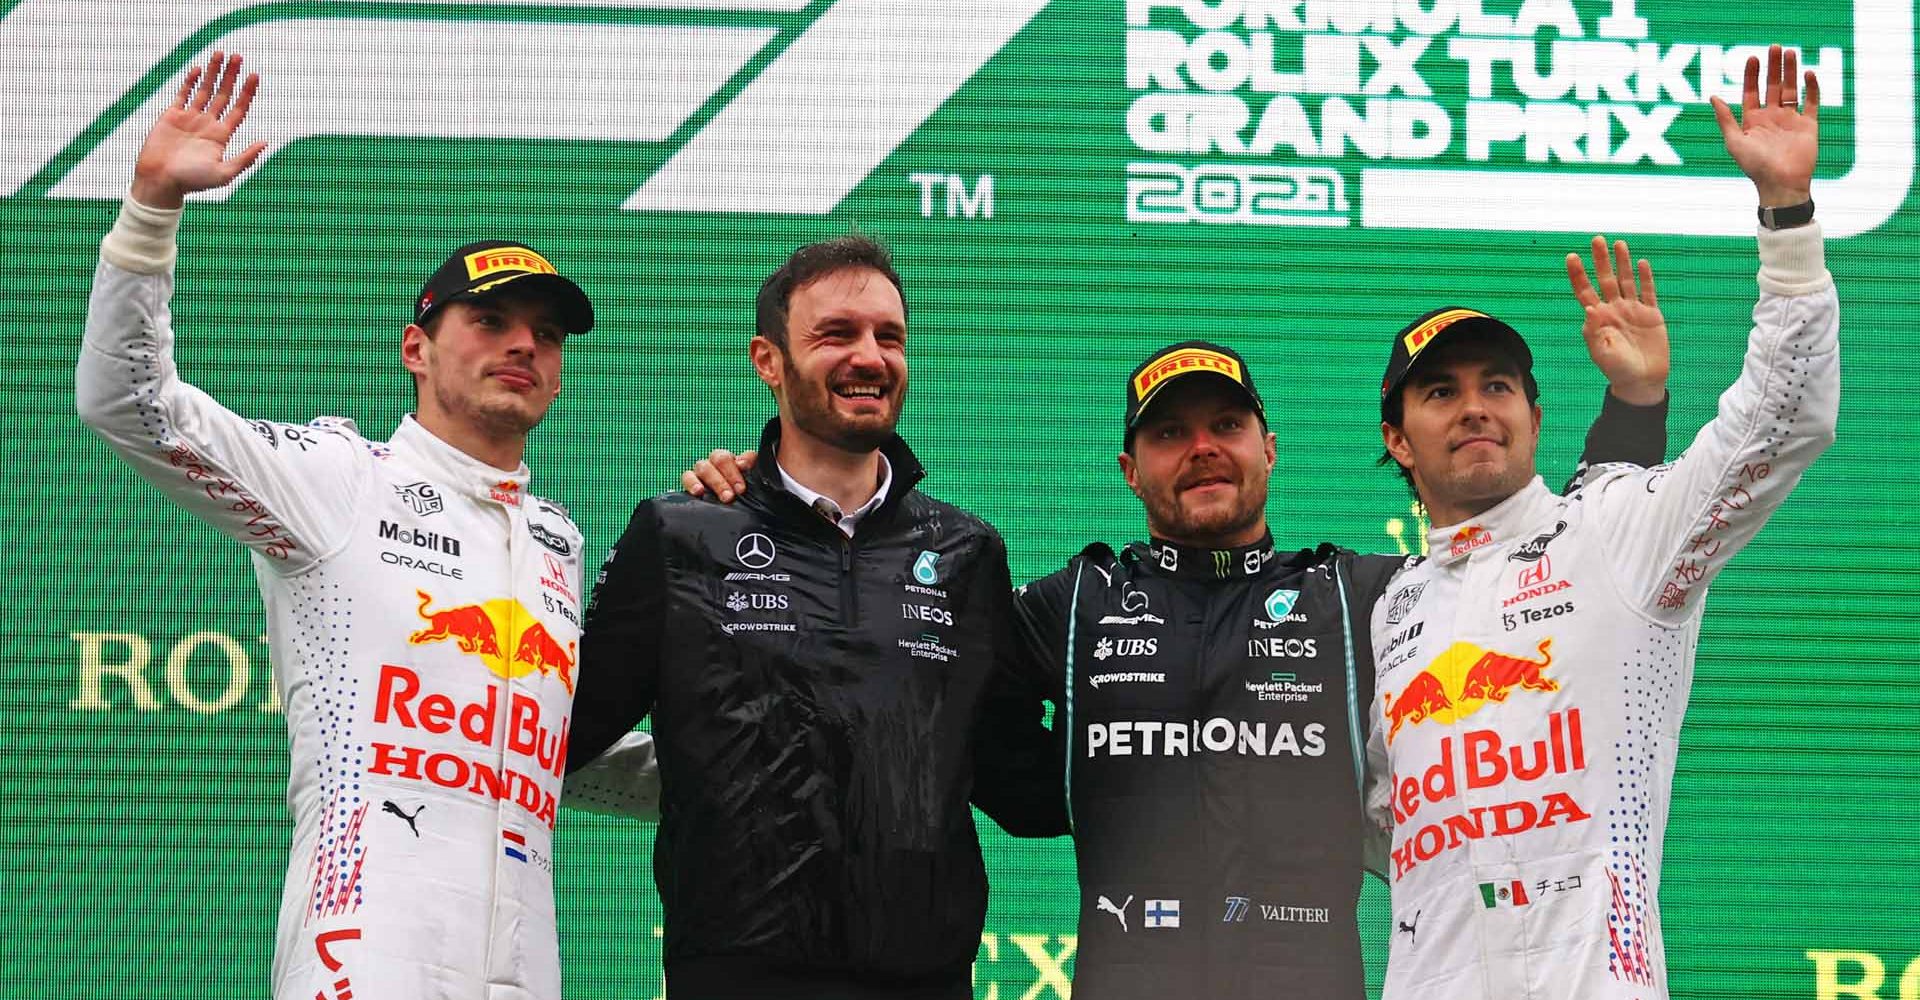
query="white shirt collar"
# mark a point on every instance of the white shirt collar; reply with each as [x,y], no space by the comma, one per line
[845,522]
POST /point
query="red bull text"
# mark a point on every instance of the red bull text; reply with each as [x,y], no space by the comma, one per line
[527,736]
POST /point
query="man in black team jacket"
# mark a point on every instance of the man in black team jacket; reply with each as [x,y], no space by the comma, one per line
[1212,695]
[827,665]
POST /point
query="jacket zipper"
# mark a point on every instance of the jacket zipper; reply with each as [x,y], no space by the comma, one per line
[849,603]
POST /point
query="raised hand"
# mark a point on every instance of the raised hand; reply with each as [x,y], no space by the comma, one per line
[1626,334]
[187,149]
[1775,143]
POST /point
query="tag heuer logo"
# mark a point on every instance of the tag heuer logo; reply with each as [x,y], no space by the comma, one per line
[422,498]
[1402,602]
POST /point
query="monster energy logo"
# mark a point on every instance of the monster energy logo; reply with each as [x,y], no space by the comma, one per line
[1222,563]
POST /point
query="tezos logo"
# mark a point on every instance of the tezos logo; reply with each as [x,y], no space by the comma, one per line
[926,568]
[755,551]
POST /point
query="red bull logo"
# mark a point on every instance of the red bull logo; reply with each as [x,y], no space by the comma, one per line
[1469,538]
[489,628]
[538,650]
[467,625]
[1462,679]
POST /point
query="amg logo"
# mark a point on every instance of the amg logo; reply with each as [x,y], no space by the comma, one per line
[432,541]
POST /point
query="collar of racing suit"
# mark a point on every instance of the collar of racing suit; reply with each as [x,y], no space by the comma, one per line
[767,486]
[1513,517]
[450,468]
[1192,563]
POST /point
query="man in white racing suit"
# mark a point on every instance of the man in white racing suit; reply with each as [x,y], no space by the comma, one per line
[423,607]
[1534,668]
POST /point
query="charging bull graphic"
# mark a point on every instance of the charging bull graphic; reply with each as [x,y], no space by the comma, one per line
[468,625]
[1462,679]
[478,629]
[539,650]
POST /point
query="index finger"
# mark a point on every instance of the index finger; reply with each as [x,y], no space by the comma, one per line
[186,88]
[1582,287]
[1603,275]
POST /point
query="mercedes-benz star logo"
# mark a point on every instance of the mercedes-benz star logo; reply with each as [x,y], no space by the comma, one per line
[755,551]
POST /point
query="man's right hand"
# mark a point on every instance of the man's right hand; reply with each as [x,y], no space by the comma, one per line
[187,149]
[1776,139]
[721,473]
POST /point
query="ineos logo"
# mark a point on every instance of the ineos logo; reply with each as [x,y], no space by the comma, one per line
[755,551]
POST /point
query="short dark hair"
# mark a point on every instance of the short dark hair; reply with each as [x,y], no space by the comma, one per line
[810,263]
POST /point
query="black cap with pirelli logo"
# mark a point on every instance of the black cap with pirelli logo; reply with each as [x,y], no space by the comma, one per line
[1190,357]
[1423,333]
[479,268]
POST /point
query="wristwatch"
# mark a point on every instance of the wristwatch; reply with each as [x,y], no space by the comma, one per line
[1787,216]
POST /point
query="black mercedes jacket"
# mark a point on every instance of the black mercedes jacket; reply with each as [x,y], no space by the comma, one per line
[823,709]
[1213,705]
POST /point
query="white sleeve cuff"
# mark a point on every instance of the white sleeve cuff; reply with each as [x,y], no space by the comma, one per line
[142,239]
[1793,261]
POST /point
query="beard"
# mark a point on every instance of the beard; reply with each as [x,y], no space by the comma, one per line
[494,413]
[1478,487]
[810,405]
[1177,519]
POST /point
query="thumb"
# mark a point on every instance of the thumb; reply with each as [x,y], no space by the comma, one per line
[1723,116]
[237,165]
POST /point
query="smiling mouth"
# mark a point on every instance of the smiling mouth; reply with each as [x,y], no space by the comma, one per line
[1206,481]
[859,392]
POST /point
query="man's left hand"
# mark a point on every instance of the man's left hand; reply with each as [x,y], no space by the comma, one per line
[1625,332]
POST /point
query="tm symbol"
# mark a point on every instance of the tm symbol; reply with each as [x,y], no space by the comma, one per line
[977,203]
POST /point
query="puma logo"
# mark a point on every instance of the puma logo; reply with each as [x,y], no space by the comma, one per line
[1106,906]
[1411,930]
[388,806]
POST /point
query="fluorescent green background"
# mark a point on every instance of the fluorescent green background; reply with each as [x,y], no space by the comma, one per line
[143,849]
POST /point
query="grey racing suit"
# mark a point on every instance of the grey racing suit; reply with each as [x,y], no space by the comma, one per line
[423,612]
[1533,673]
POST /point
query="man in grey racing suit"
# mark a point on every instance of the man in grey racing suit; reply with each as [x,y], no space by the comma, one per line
[423,608]
[1527,716]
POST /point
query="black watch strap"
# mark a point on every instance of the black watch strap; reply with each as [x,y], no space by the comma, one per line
[1787,216]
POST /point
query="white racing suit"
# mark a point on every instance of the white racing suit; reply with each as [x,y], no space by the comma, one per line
[423,612]
[1533,673]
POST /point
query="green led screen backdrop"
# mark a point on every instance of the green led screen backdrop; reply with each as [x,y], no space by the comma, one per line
[1067,185]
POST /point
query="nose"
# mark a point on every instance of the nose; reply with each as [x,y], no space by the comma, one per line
[1204,442]
[520,338]
[1473,405]
[865,352]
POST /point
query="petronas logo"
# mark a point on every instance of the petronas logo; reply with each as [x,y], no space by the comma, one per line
[926,568]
